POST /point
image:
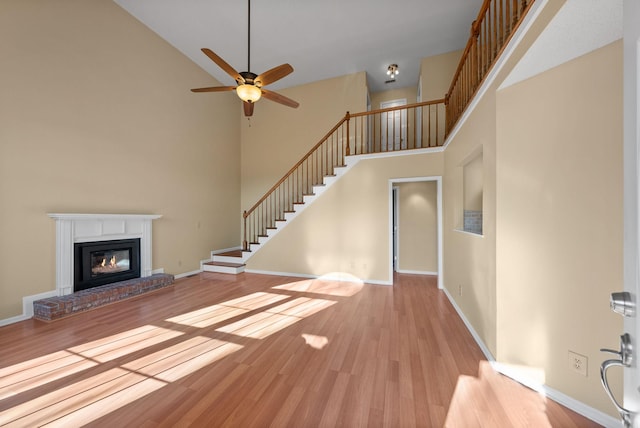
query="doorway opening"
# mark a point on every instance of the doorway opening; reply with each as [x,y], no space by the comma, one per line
[415,226]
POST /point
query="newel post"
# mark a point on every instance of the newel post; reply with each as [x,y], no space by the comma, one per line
[347,118]
[244,240]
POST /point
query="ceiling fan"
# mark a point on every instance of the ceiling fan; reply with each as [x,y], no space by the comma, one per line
[250,85]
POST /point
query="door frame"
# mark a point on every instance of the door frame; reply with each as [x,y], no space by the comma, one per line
[438,180]
[395,226]
[631,52]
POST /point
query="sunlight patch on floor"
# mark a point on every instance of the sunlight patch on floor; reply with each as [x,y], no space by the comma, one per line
[60,365]
[316,342]
[214,314]
[474,402]
[110,388]
[48,368]
[345,288]
[92,398]
[272,320]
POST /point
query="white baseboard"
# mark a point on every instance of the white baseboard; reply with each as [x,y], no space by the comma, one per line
[12,320]
[27,307]
[557,396]
[487,353]
[156,271]
[186,274]
[416,272]
[345,278]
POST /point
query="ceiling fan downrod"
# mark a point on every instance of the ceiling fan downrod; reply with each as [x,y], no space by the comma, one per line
[248,35]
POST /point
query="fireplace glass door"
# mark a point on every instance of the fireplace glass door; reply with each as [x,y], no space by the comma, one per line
[104,262]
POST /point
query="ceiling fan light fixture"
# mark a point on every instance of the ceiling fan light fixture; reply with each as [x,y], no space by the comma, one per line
[248,93]
[392,70]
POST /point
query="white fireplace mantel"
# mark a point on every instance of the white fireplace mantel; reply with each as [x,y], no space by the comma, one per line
[72,228]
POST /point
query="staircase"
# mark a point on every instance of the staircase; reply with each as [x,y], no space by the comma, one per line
[414,126]
[386,131]
[233,262]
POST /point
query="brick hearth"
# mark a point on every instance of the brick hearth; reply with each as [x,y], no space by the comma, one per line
[54,308]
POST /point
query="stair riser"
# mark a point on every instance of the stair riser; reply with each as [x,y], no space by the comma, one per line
[223,269]
[227,259]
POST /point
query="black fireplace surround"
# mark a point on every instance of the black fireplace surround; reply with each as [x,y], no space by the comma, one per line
[104,262]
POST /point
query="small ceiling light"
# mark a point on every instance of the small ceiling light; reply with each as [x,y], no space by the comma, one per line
[249,93]
[392,70]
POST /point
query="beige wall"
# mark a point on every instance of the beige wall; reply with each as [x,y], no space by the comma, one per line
[417,226]
[472,177]
[559,210]
[277,137]
[97,117]
[436,73]
[469,259]
[347,228]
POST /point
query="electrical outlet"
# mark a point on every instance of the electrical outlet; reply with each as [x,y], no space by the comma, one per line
[578,363]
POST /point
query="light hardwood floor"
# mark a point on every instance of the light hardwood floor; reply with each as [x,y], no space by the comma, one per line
[257,351]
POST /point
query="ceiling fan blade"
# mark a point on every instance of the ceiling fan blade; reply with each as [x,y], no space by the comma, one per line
[223,65]
[273,96]
[215,89]
[248,109]
[272,75]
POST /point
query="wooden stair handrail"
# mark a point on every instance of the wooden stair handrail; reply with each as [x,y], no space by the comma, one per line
[484,46]
[347,137]
[346,118]
[402,107]
[300,162]
[475,30]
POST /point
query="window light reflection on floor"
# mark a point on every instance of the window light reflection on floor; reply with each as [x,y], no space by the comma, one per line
[263,324]
[109,389]
[220,312]
[40,371]
[316,342]
[345,288]
[94,397]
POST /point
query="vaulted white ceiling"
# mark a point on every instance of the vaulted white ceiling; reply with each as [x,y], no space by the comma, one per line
[320,39]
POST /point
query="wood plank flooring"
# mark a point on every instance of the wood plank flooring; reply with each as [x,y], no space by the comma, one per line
[218,350]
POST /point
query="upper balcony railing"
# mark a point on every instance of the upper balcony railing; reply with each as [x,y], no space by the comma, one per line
[490,32]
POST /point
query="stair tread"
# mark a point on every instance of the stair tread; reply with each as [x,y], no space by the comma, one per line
[233,253]
[225,264]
